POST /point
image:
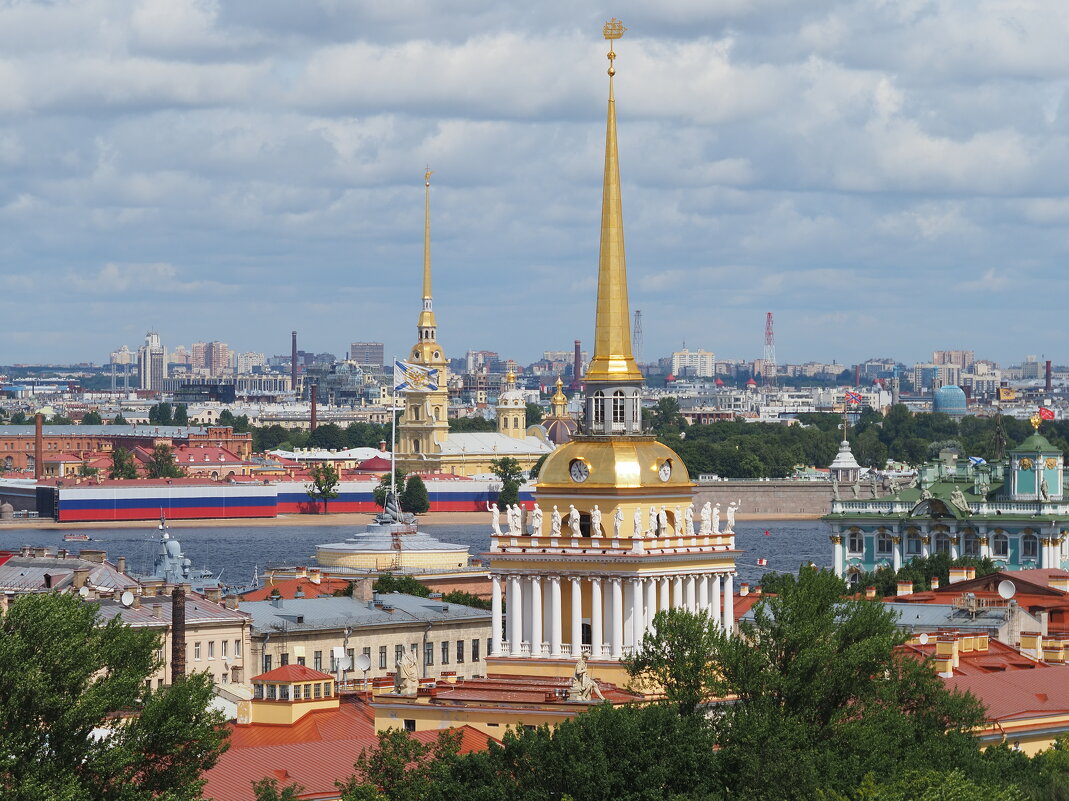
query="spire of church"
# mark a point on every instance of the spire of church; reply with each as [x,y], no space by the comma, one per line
[559,402]
[613,359]
[427,323]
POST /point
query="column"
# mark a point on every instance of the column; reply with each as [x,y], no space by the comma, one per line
[536,616]
[896,548]
[651,603]
[954,539]
[597,638]
[617,619]
[692,601]
[638,619]
[1044,553]
[703,593]
[714,611]
[666,596]
[729,602]
[629,612]
[837,554]
[985,544]
[515,613]
[926,545]
[577,617]
[677,592]
[495,615]
[556,615]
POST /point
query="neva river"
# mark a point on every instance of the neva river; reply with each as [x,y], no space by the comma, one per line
[237,550]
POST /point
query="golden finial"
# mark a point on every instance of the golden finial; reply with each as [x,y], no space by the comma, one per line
[1035,420]
[613,29]
[427,176]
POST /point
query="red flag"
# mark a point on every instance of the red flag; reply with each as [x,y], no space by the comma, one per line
[768,533]
[1046,413]
[762,562]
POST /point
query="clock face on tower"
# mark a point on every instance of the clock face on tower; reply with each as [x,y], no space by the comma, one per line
[578,470]
[665,470]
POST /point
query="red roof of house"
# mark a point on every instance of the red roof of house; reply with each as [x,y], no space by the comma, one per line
[293,673]
[375,463]
[287,588]
[1019,694]
[998,658]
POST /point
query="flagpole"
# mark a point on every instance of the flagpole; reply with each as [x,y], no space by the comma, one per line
[393,439]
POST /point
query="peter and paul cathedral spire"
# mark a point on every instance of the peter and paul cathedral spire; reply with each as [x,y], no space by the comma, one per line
[427,323]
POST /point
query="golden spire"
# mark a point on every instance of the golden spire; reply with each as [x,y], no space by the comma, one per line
[426,317]
[613,360]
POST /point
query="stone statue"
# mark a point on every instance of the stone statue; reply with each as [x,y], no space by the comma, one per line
[536,521]
[678,520]
[1044,489]
[716,519]
[835,489]
[583,688]
[510,520]
[517,519]
[731,518]
[855,488]
[662,522]
[875,494]
[688,517]
[573,521]
[495,517]
[926,494]
[638,521]
[707,519]
[957,499]
[595,521]
[617,522]
[653,521]
[554,523]
[405,680]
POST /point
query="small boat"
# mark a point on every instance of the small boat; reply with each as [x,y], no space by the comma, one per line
[76,538]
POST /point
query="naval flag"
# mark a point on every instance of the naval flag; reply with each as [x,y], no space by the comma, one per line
[853,397]
[414,378]
[762,562]
[1046,413]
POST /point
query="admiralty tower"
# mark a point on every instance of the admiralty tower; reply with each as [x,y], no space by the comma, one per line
[615,537]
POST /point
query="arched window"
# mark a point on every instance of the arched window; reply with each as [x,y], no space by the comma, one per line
[884,545]
[913,544]
[1000,545]
[415,446]
[599,408]
[855,542]
[942,542]
[8,463]
[618,408]
[971,544]
[1029,546]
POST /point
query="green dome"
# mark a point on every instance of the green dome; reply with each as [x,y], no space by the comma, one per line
[1036,443]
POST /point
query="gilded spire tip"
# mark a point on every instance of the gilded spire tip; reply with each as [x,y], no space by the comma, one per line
[613,30]
[427,176]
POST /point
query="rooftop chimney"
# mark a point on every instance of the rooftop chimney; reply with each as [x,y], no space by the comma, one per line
[1049,384]
[120,564]
[935,582]
[578,364]
[313,420]
[178,633]
[363,589]
[870,593]
[38,445]
[905,587]
[293,364]
[81,576]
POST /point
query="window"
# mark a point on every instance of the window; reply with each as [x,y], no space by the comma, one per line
[599,407]
[942,543]
[222,648]
[284,692]
[351,654]
[855,542]
[474,650]
[410,725]
[327,689]
[460,652]
[258,692]
[382,657]
[913,545]
[317,660]
[398,652]
[1001,545]
[971,544]
[237,648]
[366,653]
[271,692]
[196,650]
[317,690]
[267,662]
[284,659]
[445,652]
[428,654]
[296,692]
[1029,546]
[308,691]
[300,660]
[884,544]
[617,408]
[211,649]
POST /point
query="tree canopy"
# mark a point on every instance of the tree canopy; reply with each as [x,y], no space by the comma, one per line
[86,676]
[122,464]
[415,499]
[162,463]
[324,486]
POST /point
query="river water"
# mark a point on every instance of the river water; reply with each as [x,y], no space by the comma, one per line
[239,550]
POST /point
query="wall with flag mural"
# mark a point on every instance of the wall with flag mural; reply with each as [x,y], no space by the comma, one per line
[774,497]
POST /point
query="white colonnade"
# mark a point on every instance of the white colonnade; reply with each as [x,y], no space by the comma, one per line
[619,610]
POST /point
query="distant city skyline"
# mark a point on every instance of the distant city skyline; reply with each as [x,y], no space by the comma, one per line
[885,178]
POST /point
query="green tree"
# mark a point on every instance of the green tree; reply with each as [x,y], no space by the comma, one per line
[824,697]
[928,785]
[400,767]
[181,415]
[162,463]
[463,425]
[406,585]
[269,789]
[534,414]
[415,498]
[511,474]
[119,420]
[59,420]
[537,468]
[665,418]
[466,599]
[379,493]
[92,418]
[19,419]
[85,675]
[122,464]
[86,471]
[324,486]
[675,657]
[329,436]
[160,414]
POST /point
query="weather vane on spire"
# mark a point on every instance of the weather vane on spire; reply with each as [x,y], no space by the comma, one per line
[427,176]
[613,29]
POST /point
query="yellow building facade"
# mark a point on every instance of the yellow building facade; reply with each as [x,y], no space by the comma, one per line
[614,538]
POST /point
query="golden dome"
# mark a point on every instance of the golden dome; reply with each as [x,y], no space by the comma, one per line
[621,462]
[510,377]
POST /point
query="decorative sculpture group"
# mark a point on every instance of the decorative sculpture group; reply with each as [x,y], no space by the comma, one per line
[406,680]
[513,518]
[583,688]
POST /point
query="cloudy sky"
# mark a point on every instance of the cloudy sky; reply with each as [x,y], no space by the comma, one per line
[886,176]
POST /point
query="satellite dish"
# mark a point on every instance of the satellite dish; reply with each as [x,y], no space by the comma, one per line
[1006,589]
[127,598]
[923,639]
[84,592]
[363,663]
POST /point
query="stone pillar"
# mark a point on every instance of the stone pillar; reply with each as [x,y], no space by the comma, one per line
[666,595]
[536,616]
[617,619]
[714,611]
[985,546]
[515,613]
[577,617]
[556,615]
[1044,553]
[954,546]
[926,546]
[638,619]
[729,602]
[703,593]
[837,554]
[651,602]
[692,601]
[677,592]
[896,548]
[629,612]
[597,637]
[495,615]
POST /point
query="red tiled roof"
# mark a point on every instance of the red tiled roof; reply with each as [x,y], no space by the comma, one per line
[998,658]
[287,588]
[1019,693]
[293,673]
[375,463]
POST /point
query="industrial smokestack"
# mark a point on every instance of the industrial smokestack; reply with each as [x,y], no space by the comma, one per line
[578,364]
[38,445]
[293,362]
[178,633]
[313,420]
[1049,385]
[857,375]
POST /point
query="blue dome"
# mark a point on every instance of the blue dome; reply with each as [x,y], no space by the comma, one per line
[949,400]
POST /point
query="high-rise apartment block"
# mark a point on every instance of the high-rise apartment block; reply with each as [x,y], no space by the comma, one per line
[699,363]
[151,363]
[961,359]
[372,353]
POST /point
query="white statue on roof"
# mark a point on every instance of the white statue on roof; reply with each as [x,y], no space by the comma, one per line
[406,680]
[573,521]
[536,521]
[716,519]
[583,688]
[617,522]
[495,517]
[707,519]
[554,523]
[595,521]
[688,518]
